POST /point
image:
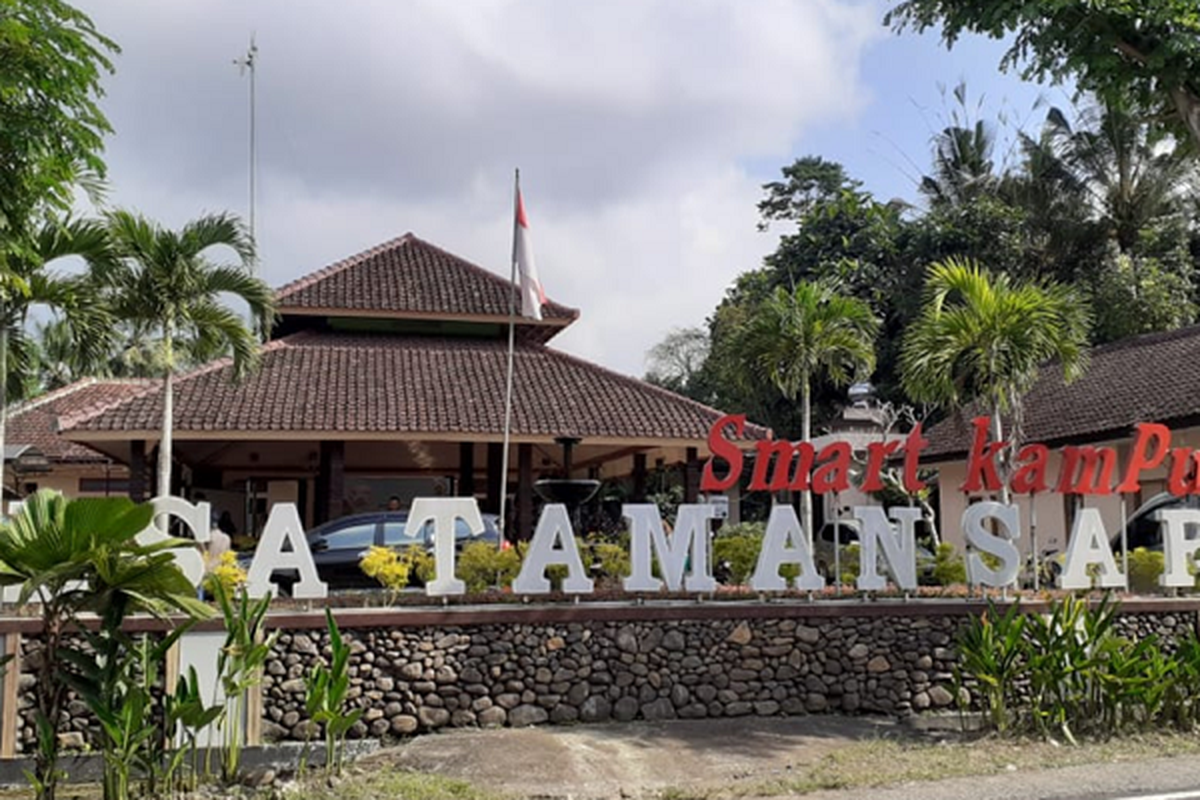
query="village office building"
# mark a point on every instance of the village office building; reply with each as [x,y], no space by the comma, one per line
[385,375]
[1150,378]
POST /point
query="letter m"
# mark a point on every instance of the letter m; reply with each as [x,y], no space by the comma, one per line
[788,459]
[1087,470]
[689,539]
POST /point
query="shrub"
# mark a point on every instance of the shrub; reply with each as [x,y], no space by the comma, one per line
[1144,568]
[482,565]
[388,567]
[949,568]
[227,572]
[612,560]
[740,551]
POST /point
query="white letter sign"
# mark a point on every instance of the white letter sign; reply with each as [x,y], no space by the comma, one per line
[899,546]
[784,543]
[1179,549]
[647,538]
[1089,545]
[284,527]
[1002,547]
[443,513]
[553,544]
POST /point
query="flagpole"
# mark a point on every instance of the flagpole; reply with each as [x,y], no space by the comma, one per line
[508,387]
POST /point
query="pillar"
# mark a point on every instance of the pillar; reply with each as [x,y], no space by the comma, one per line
[138,487]
[331,481]
[495,481]
[691,476]
[639,477]
[466,469]
[524,523]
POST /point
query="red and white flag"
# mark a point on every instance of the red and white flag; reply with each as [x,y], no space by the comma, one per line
[532,295]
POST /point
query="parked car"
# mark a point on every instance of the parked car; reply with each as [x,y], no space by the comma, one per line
[1142,530]
[338,545]
[848,534]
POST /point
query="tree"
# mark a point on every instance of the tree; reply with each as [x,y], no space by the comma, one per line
[51,60]
[163,283]
[675,362]
[812,331]
[76,557]
[1146,51]
[28,283]
[984,337]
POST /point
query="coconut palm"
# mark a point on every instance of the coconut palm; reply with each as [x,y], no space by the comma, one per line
[82,556]
[984,337]
[164,285]
[27,283]
[807,334]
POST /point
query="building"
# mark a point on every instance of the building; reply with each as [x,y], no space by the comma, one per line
[1150,378]
[37,457]
[385,376]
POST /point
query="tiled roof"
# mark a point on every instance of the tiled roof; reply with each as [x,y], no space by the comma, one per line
[363,383]
[36,421]
[1151,378]
[407,276]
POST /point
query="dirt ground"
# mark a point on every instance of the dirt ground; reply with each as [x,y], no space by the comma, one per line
[634,759]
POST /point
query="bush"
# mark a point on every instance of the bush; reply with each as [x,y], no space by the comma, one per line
[482,565]
[949,568]
[1144,568]
[227,572]
[612,561]
[740,551]
[388,567]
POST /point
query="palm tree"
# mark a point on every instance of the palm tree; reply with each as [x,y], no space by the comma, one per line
[82,556]
[26,282]
[809,333]
[164,285]
[983,337]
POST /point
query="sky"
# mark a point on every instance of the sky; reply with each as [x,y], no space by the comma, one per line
[643,129]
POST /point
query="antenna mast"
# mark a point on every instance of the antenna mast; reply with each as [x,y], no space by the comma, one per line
[245,64]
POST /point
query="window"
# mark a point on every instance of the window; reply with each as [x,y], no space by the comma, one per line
[395,535]
[358,536]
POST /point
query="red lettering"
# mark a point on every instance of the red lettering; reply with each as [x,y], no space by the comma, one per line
[1179,481]
[783,455]
[877,453]
[1140,458]
[1078,473]
[834,475]
[1031,476]
[723,448]
[913,446]
[981,466]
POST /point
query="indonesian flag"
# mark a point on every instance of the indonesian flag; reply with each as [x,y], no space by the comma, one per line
[532,295]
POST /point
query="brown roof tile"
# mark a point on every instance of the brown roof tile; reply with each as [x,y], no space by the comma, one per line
[36,422]
[407,276]
[361,383]
[1151,378]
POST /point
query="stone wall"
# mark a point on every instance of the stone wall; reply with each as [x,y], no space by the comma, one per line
[412,680]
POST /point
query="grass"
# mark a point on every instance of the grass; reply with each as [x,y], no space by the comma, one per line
[399,783]
[885,762]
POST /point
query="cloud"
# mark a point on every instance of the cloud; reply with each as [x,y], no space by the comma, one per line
[633,123]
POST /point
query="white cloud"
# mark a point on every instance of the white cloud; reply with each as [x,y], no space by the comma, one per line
[632,121]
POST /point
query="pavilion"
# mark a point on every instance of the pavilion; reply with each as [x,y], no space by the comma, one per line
[385,376]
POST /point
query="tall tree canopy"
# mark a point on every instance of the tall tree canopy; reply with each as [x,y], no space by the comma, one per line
[1146,51]
[51,62]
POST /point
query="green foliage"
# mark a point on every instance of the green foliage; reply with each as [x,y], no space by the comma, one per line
[52,59]
[1147,51]
[388,567]
[482,565]
[1082,678]
[82,556]
[676,361]
[239,665]
[949,568]
[326,697]
[740,549]
[1145,566]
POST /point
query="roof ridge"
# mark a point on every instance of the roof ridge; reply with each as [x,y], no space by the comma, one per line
[641,384]
[1153,337]
[50,396]
[305,281]
[471,265]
